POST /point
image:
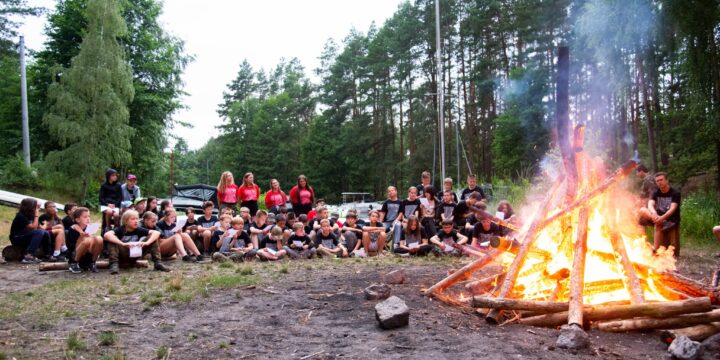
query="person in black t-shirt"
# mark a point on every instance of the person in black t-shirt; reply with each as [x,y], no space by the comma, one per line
[447,206]
[483,230]
[207,226]
[413,240]
[663,211]
[271,248]
[472,187]
[26,232]
[426,181]
[128,235]
[82,247]
[410,206]
[260,229]
[463,211]
[327,243]
[374,236]
[390,214]
[447,186]
[352,233]
[299,245]
[174,241]
[51,222]
[67,221]
[110,197]
[447,238]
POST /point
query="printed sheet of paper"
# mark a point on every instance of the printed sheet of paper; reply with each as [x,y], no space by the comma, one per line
[360,253]
[500,215]
[298,243]
[448,248]
[135,252]
[180,224]
[92,228]
[424,201]
[414,245]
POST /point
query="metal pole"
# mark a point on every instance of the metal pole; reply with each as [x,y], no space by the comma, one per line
[24,105]
[440,90]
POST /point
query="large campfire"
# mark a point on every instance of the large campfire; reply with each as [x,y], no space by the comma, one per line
[581,259]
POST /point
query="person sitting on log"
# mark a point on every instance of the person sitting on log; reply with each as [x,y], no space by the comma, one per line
[508,213]
[463,212]
[447,238]
[259,229]
[374,236]
[271,249]
[128,235]
[175,240]
[447,206]
[110,199]
[26,232]
[67,221]
[482,231]
[663,212]
[51,222]
[327,243]
[83,248]
[413,240]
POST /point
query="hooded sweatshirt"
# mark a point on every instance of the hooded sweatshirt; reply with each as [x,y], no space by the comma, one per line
[110,193]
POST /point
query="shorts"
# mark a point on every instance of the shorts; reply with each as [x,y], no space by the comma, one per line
[116,210]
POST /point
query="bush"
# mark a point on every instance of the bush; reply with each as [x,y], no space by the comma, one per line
[15,173]
[699,211]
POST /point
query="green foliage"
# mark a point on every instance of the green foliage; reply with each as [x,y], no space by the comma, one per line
[226,281]
[107,338]
[700,212]
[16,174]
[88,112]
[75,342]
[162,352]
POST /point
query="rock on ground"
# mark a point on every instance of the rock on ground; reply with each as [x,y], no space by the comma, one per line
[392,313]
[395,277]
[572,337]
[377,292]
[684,349]
[710,348]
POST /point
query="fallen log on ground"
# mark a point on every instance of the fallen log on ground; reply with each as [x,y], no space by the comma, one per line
[680,321]
[102,264]
[513,304]
[695,333]
[604,312]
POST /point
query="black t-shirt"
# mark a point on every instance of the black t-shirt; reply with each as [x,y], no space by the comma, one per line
[452,236]
[409,208]
[68,222]
[357,225]
[189,224]
[131,236]
[447,209]
[391,209]
[330,241]
[479,231]
[243,239]
[466,193]
[305,240]
[269,242]
[663,202]
[421,190]
[439,197]
[166,230]
[461,209]
[49,220]
[19,225]
[206,223]
[412,238]
[71,239]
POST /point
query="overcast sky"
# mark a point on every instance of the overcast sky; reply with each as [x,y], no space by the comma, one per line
[221,33]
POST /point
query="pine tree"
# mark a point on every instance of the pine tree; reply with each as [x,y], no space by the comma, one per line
[88,107]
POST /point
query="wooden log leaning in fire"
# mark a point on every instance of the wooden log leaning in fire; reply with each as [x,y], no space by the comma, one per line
[679,321]
[577,276]
[513,246]
[529,239]
[102,264]
[695,333]
[462,273]
[483,285]
[631,280]
[687,286]
[603,312]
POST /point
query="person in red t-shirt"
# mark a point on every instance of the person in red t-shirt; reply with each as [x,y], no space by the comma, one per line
[312,214]
[227,192]
[275,198]
[249,193]
[302,196]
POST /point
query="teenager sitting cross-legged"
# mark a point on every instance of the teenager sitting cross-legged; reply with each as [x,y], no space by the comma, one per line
[131,235]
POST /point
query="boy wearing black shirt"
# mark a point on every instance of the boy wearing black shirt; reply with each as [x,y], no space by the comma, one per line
[82,247]
[411,205]
[447,207]
[327,243]
[299,244]
[446,238]
[352,233]
[128,235]
[472,187]
[390,214]
[67,221]
[663,211]
[464,210]
[483,230]
[110,197]
[207,226]
[426,181]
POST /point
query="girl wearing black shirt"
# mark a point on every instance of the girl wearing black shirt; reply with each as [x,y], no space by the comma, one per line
[413,240]
[176,241]
[51,222]
[428,211]
[82,247]
[25,231]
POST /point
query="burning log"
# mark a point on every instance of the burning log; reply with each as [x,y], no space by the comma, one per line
[513,304]
[605,312]
[577,276]
[695,333]
[687,286]
[486,215]
[680,321]
[102,264]
[462,274]
[517,263]
[632,283]
[483,285]
[513,246]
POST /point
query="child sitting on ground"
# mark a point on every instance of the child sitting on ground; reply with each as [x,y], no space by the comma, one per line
[174,240]
[327,243]
[236,244]
[207,226]
[129,235]
[259,229]
[219,234]
[447,238]
[374,235]
[67,221]
[50,221]
[82,248]
[271,248]
[352,233]
[299,245]
[413,240]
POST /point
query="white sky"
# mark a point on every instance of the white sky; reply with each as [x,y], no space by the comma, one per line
[221,33]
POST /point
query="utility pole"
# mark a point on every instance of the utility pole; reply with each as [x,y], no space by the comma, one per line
[24,105]
[440,91]
[172,172]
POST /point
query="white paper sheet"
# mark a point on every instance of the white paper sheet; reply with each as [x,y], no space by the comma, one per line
[179,226]
[297,243]
[360,253]
[135,252]
[424,201]
[500,215]
[448,248]
[271,251]
[413,245]
[92,228]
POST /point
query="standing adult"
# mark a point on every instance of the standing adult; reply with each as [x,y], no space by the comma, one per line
[663,211]
[275,198]
[302,196]
[249,193]
[26,232]
[227,192]
[471,188]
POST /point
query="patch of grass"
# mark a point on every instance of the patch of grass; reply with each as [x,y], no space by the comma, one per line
[223,345]
[106,338]
[75,342]
[285,268]
[153,298]
[175,282]
[3,356]
[226,265]
[225,281]
[192,337]
[115,356]
[162,352]
[700,211]
[245,270]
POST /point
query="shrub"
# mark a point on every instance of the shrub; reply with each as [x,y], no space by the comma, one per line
[15,173]
[699,211]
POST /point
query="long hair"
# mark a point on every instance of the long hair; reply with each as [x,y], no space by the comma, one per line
[271,185]
[223,183]
[168,212]
[510,212]
[413,219]
[245,178]
[27,207]
[307,184]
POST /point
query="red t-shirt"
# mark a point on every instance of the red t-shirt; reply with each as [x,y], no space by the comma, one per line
[275,198]
[229,196]
[249,193]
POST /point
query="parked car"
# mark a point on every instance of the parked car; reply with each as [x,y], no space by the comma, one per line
[185,196]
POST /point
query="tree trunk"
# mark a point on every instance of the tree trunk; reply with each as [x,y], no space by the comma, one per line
[649,119]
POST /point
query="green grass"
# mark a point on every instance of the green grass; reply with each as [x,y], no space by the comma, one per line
[699,213]
[75,343]
[226,281]
[162,352]
[107,338]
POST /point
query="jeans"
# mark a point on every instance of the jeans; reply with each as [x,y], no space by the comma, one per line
[396,231]
[31,240]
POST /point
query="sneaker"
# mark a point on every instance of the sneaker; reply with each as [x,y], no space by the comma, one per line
[93,267]
[188,258]
[74,268]
[199,258]
[114,268]
[219,257]
[161,267]
[29,259]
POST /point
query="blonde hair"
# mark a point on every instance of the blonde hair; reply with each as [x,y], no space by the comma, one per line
[448,180]
[149,215]
[237,220]
[223,183]
[224,217]
[298,225]
[168,212]
[126,216]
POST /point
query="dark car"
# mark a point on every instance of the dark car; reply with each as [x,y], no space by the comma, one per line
[185,196]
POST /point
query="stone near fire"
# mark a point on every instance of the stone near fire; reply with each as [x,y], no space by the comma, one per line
[377,292]
[710,348]
[572,337]
[392,313]
[394,277]
[684,349]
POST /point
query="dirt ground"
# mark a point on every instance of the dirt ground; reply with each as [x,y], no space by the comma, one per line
[298,310]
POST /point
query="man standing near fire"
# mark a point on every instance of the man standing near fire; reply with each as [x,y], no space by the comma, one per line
[663,211]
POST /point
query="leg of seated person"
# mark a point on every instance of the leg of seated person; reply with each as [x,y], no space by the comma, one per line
[716,232]
[366,242]
[206,236]
[381,242]
[83,246]
[168,247]
[96,247]
[188,244]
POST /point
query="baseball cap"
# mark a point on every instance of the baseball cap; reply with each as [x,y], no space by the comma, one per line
[131,177]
